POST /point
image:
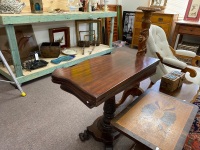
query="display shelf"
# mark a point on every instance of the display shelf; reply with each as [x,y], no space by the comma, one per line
[33,74]
[23,18]
[9,20]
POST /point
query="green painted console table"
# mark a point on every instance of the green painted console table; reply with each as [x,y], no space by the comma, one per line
[9,20]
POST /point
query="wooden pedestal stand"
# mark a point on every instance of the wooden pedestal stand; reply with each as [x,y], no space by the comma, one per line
[144,34]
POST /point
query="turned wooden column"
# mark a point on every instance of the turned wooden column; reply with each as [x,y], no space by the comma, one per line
[144,34]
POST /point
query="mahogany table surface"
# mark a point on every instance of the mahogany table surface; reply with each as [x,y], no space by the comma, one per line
[98,79]
[188,91]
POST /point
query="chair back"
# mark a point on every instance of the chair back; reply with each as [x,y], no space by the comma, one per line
[157,42]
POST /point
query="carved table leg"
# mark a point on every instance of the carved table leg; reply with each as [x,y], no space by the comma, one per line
[134,91]
[101,129]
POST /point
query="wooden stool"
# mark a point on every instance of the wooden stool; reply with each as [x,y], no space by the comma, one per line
[157,120]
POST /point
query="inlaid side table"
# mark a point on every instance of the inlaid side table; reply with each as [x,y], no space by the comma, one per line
[156,120]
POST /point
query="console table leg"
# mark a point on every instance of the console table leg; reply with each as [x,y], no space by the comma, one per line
[101,129]
[134,91]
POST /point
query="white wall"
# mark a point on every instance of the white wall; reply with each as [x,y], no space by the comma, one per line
[41,29]
[132,5]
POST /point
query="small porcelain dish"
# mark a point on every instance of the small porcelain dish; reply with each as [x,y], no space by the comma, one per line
[69,52]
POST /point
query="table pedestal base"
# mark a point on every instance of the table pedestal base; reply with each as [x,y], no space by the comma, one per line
[97,131]
[101,129]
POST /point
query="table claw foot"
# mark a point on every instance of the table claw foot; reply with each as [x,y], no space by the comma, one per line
[84,136]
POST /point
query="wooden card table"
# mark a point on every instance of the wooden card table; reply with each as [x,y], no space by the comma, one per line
[157,120]
[98,80]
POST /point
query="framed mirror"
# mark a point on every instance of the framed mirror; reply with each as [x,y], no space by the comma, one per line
[158,4]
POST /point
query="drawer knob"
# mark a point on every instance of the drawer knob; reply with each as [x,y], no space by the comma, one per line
[160,19]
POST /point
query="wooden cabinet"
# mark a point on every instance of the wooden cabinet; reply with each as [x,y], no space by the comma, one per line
[164,20]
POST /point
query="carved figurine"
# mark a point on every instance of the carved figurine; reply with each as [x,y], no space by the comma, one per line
[11,6]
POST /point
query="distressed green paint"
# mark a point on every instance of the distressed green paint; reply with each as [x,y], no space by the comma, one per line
[50,17]
[14,49]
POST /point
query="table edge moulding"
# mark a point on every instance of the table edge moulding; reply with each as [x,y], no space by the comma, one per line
[10,20]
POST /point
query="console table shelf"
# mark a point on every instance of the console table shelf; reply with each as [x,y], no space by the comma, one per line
[9,20]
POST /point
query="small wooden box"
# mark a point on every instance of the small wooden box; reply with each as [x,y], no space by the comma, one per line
[172,81]
[181,75]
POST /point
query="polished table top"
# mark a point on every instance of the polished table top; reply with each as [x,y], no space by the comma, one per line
[98,79]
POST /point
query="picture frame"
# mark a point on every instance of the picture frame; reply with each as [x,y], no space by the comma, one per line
[158,4]
[97,32]
[193,11]
[61,35]
[128,21]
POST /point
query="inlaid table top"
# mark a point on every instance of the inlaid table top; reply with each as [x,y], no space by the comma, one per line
[98,79]
[157,120]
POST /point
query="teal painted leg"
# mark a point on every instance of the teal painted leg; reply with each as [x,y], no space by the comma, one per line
[14,49]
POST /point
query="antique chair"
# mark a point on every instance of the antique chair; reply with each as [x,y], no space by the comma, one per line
[158,47]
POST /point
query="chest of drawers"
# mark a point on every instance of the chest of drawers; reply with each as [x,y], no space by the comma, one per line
[164,20]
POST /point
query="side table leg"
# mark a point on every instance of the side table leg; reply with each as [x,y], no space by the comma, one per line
[101,129]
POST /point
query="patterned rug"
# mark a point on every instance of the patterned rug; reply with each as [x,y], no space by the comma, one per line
[193,139]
